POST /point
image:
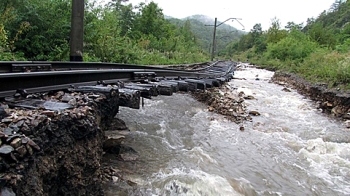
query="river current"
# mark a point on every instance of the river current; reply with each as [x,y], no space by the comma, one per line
[292,148]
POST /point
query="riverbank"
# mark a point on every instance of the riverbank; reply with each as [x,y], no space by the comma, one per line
[332,101]
[224,101]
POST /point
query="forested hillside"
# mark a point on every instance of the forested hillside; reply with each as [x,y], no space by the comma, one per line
[198,24]
[116,32]
[319,50]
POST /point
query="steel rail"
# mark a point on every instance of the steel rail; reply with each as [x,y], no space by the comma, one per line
[53,80]
[24,66]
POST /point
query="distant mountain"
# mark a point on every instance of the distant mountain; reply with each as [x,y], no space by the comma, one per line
[200,26]
[202,18]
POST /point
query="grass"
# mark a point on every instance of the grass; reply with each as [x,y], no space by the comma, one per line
[322,66]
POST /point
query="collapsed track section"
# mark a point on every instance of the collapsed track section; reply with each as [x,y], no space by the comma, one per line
[132,83]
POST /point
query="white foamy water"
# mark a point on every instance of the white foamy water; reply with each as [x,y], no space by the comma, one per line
[291,149]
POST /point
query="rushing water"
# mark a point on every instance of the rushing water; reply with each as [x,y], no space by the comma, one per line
[291,149]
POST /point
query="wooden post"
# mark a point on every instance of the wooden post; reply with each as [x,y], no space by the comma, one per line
[77,31]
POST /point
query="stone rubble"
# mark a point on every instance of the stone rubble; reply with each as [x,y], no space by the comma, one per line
[225,101]
[38,144]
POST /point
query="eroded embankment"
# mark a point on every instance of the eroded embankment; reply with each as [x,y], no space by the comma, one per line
[46,152]
[334,102]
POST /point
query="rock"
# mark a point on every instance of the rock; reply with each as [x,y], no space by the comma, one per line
[346,116]
[33,144]
[249,97]
[286,90]
[7,192]
[118,124]
[113,139]
[14,127]
[3,113]
[131,183]
[48,113]
[66,98]
[337,111]
[12,137]
[240,100]
[25,140]
[25,129]
[34,122]
[20,123]
[29,149]
[93,96]
[210,109]
[13,157]
[241,128]
[347,124]
[59,94]
[6,149]
[6,120]
[115,178]
[22,151]
[128,157]
[124,132]
[8,131]
[255,113]
[72,102]
[16,142]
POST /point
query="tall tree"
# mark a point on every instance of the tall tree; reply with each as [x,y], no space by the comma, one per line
[151,21]
[274,33]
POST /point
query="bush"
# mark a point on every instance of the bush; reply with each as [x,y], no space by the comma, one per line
[294,47]
[329,67]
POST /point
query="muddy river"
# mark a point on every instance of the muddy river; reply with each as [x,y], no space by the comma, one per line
[292,148]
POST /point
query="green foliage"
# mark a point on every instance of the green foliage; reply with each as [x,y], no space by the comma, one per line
[7,45]
[35,28]
[274,33]
[323,36]
[345,47]
[254,41]
[319,51]
[3,38]
[295,47]
[150,21]
[328,67]
[115,32]
[103,41]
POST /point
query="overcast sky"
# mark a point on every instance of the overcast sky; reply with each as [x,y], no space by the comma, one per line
[251,11]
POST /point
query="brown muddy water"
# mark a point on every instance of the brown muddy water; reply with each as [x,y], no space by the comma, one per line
[290,149]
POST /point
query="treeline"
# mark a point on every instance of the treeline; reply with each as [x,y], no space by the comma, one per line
[116,32]
[225,34]
[319,51]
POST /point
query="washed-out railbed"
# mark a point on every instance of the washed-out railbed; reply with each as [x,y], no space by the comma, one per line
[53,143]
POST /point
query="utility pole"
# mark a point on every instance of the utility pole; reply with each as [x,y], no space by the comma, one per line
[77,31]
[214,34]
[214,41]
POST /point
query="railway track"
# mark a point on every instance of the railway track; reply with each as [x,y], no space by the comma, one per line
[18,79]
